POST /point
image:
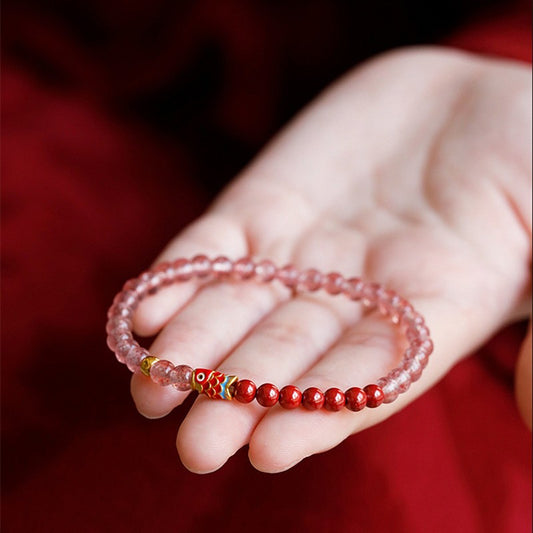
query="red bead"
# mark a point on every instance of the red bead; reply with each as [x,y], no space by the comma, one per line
[355,399]
[374,395]
[267,395]
[245,391]
[334,399]
[313,398]
[290,397]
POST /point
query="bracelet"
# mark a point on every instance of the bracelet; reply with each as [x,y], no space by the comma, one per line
[217,385]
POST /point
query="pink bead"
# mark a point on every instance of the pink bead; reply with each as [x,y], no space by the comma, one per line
[244,268]
[334,283]
[402,379]
[114,340]
[412,319]
[165,272]
[118,324]
[288,275]
[134,358]
[122,311]
[310,280]
[413,368]
[389,305]
[122,349]
[422,358]
[417,332]
[180,377]
[111,311]
[111,342]
[160,372]
[389,388]
[406,314]
[221,266]
[372,292]
[183,269]
[153,280]
[425,345]
[201,265]
[127,298]
[353,288]
[265,271]
[140,288]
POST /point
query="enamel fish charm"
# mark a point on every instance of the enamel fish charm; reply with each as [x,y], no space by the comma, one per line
[213,384]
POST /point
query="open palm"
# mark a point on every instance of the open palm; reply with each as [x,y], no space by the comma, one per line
[413,171]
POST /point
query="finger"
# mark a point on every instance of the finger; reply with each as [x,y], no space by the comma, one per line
[213,322]
[281,346]
[212,235]
[366,352]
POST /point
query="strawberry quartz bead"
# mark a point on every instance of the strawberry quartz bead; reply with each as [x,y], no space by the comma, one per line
[353,288]
[123,349]
[265,271]
[153,279]
[160,372]
[289,275]
[290,397]
[267,395]
[245,391]
[244,268]
[334,283]
[180,377]
[134,358]
[221,266]
[334,399]
[401,378]
[310,280]
[372,292]
[133,291]
[313,398]
[183,269]
[355,399]
[374,395]
[201,266]
[389,305]
[165,272]
[115,339]
[389,388]
[419,332]
[426,345]
[413,368]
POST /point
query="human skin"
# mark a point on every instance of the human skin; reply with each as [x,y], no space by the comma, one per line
[413,170]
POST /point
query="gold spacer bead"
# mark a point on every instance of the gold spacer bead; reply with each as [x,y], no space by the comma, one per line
[146,364]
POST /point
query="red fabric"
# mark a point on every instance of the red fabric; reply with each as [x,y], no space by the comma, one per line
[90,196]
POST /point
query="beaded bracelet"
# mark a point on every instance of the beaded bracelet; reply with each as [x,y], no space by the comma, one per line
[217,385]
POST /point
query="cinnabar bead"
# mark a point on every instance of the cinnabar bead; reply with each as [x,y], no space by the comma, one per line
[267,395]
[245,391]
[313,398]
[290,397]
[355,399]
[374,395]
[334,399]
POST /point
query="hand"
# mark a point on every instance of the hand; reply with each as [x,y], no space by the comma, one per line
[413,171]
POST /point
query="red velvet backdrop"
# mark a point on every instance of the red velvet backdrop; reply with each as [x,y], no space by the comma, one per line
[96,179]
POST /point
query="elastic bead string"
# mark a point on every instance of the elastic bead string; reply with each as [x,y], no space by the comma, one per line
[217,385]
